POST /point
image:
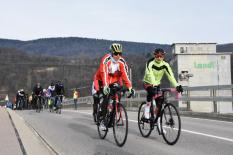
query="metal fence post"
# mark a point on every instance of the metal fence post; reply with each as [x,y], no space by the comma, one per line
[214,102]
[188,102]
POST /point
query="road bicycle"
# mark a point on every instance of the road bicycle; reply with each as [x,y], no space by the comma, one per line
[21,103]
[59,104]
[51,101]
[115,117]
[167,120]
[38,103]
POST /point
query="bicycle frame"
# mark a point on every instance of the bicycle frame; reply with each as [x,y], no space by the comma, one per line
[38,99]
[167,115]
[115,116]
[116,100]
[112,108]
[161,95]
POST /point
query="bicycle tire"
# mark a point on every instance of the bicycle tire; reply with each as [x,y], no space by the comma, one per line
[145,132]
[59,106]
[170,124]
[20,104]
[38,105]
[120,120]
[60,110]
[102,134]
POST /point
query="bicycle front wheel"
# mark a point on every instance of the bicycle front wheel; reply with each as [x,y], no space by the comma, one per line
[120,125]
[144,125]
[38,105]
[59,109]
[170,124]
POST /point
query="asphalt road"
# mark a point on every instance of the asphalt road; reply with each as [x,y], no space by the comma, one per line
[74,132]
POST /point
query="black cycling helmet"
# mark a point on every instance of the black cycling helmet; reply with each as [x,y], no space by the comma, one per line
[116,48]
[159,50]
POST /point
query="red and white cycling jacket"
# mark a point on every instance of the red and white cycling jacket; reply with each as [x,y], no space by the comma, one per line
[111,71]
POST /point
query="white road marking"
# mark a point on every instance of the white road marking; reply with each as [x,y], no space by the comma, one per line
[206,119]
[207,135]
[183,130]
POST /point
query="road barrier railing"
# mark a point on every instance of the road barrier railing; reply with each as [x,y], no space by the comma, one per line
[217,93]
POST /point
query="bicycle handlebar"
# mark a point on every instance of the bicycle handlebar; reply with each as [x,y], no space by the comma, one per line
[115,87]
[163,90]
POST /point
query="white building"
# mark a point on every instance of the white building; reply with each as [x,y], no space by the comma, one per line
[198,64]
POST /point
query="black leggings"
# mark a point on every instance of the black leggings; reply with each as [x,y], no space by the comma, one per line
[151,91]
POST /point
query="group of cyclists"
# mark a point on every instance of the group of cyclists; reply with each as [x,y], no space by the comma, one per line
[113,69]
[41,97]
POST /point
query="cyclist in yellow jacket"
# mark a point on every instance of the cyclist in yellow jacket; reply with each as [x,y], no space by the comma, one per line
[155,69]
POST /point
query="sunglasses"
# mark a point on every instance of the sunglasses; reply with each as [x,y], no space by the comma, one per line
[117,53]
[159,55]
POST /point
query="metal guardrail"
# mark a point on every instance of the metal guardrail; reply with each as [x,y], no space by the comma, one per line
[140,96]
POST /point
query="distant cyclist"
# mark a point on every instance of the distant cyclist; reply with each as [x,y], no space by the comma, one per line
[155,69]
[37,92]
[112,69]
[60,91]
[51,95]
[20,99]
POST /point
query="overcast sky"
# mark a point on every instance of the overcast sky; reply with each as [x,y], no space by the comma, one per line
[151,21]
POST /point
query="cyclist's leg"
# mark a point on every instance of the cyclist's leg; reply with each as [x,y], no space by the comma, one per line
[95,104]
[104,105]
[157,108]
[95,93]
[52,101]
[55,103]
[40,102]
[158,113]
[150,94]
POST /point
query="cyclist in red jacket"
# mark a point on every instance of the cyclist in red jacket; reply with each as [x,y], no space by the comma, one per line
[112,69]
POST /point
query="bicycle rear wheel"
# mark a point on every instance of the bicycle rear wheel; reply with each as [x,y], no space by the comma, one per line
[38,105]
[143,124]
[170,124]
[120,125]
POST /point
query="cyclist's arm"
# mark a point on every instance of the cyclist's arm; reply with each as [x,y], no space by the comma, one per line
[124,73]
[103,70]
[170,75]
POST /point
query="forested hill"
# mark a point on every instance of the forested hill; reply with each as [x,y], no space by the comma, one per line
[225,47]
[75,46]
[23,63]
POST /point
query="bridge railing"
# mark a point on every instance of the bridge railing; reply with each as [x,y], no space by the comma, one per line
[214,94]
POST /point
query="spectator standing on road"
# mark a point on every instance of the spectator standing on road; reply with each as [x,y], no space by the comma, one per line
[75,97]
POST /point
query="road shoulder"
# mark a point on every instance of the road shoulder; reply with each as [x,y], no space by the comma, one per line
[31,141]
